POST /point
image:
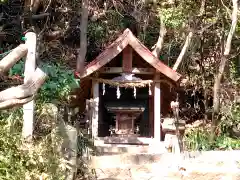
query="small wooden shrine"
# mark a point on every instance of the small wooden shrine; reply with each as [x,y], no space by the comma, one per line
[128,90]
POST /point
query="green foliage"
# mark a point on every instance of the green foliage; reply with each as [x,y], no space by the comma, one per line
[198,140]
[238,27]
[234,71]
[9,152]
[11,119]
[230,118]
[150,36]
[226,143]
[103,31]
[173,17]
[43,158]
[58,85]
[17,69]
[19,162]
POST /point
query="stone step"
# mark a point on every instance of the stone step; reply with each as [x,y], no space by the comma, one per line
[109,149]
[123,140]
[123,160]
[104,148]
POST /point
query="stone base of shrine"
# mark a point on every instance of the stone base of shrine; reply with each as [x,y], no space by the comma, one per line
[130,140]
[117,145]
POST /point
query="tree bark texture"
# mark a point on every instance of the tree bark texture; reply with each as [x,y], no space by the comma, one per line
[23,93]
[25,90]
[83,37]
[219,75]
[30,65]
[13,103]
[8,61]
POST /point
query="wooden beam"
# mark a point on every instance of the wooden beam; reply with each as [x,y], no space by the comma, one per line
[151,111]
[127,60]
[117,70]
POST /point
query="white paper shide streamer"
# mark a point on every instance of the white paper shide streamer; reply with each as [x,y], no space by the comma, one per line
[134,92]
[118,92]
[149,89]
[103,86]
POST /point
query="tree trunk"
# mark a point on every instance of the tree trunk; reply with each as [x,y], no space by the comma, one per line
[158,46]
[31,5]
[183,51]
[189,38]
[83,37]
[218,77]
[204,84]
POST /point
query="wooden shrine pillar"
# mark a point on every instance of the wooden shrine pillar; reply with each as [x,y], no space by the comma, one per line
[151,111]
[157,112]
[95,108]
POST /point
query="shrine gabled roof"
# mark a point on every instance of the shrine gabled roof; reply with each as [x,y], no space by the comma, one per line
[127,38]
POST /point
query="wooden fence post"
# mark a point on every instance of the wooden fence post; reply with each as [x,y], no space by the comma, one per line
[30,65]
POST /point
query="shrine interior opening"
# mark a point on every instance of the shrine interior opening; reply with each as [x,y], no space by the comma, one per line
[136,107]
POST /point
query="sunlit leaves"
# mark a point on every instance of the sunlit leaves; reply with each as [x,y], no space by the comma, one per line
[173,17]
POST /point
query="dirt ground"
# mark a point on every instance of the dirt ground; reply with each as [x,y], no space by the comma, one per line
[204,176]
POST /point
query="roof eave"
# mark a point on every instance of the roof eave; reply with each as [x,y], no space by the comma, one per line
[128,38]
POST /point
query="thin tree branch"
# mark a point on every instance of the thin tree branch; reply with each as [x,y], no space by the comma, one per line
[227,9]
[48,6]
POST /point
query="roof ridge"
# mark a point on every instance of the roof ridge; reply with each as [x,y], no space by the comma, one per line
[128,38]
